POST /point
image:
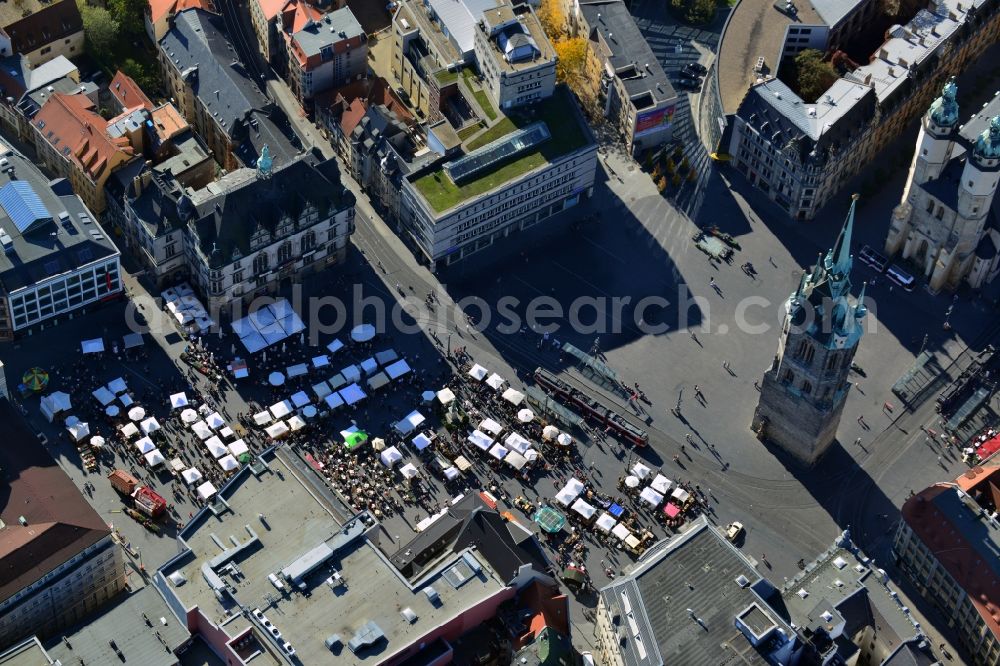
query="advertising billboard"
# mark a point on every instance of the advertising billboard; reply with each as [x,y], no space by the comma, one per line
[654,121]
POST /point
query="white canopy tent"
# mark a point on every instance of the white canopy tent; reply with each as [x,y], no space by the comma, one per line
[149,425]
[280,410]
[369,365]
[178,400]
[606,522]
[480,440]
[409,423]
[262,418]
[277,429]
[397,369]
[513,396]
[206,490]
[661,484]
[621,531]
[104,396]
[238,447]
[515,460]
[117,385]
[490,426]
[352,394]
[216,447]
[390,456]
[145,445]
[334,400]
[335,346]
[322,390]
[129,430]
[268,325]
[79,431]
[445,396]
[125,399]
[154,458]
[215,421]
[569,492]
[300,399]
[320,361]
[421,441]
[451,473]
[650,496]
[191,476]
[584,509]
[517,443]
[499,451]
[95,346]
[408,470]
[680,494]
[201,429]
[297,370]
[386,356]
[226,432]
[495,381]
[478,372]
[228,463]
[640,470]
[296,422]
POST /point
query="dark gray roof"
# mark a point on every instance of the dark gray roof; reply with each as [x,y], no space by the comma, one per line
[696,570]
[334,27]
[945,187]
[628,48]
[198,48]
[125,622]
[53,247]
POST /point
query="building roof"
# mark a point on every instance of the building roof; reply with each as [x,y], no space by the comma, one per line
[960,533]
[832,12]
[160,9]
[369,91]
[326,32]
[127,92]
[460,17]
[628,52]
[135,622]
[28,652]
[18,77]
[696,570]
[297,14]
[374,593]
[271,8]
[199,49]
[168,122]
[49,248]
[46,519]
[72,126]
[31,24]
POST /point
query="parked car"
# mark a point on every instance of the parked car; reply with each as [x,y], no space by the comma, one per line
[734,530]
[695,69]
[875,260]
[901,277]
[689,83]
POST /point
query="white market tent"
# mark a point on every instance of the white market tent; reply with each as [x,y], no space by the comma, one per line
[216,447]
[300,399]
[515,460]
[650,496]
[377,381]
[95,346]
[386,356]
[335,346]
[409,423]
[531,455]
[680,494]
[499,451]
[226,433]
[296,422]
[421,441]
[215,421]
[297,370]
[178,400]
[477,372]
[480,440]
[397,369]
[228,463]
[445,396]
[334,400]
[104,396]
[280,410]
[390,456]
[154,458]
[351,373]
[451,473]
[54,403]
[321,361]
[513,396]
[149,425]
[206,490]
[352,394]
[145,445]
[253,342]
[495,381]
[79,431]
[191,476]
[117,385]
[569,492]
[125,399]
[129,430]
[516,442]
[267,326]
[490,426]
[276,430]
[606,522]
[640,470]
[621,531]
[661,484]
[369,365]
[238,447]
[201,429]
[322,390]
[584,509]
[262,418]
[408,470]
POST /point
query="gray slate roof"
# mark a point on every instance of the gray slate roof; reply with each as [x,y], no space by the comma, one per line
[336,26]
[198,43]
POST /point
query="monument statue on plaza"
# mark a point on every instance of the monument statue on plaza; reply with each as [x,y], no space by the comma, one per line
[803,392]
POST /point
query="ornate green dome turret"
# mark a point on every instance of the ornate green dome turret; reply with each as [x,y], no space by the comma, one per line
[944,110]
[988,143]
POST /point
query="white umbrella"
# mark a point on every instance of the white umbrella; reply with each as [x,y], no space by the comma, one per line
[525,415]
[97,441]
[550,432]
[632,481]
[189,416]
[564,439]
[137,413]
[276,379]
[111,410]
[363,333]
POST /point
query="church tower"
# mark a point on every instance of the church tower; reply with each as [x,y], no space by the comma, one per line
[935,143]
[803,392]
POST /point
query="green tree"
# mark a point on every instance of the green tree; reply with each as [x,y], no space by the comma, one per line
[813,76]
[100,29]
[694,11]
[130,14]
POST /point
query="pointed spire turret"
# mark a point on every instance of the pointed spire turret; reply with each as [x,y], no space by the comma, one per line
[860,309]
[838,260]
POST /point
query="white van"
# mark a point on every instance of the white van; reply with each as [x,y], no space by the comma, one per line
[278,585]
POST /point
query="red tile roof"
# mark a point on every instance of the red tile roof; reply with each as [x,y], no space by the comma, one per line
[352,116]
[271,8]
[159,9]
[367,91]
[128,93]
[72,121]
[58,521]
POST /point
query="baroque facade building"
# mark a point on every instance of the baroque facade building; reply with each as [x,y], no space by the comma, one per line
[802,394]
[944,223]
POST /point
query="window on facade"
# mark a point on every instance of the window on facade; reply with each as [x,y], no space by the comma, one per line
[940,212]
[284,252]
[260,263]
[930,206]
[807,387]
[833,362]
[805,351]
[308,241]
[788,377]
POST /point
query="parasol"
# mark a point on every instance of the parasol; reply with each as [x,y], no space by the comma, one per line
[632,481]
[564,439]
[550,432]
[525,415]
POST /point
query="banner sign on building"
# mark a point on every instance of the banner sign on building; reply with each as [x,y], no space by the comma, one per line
[654,121]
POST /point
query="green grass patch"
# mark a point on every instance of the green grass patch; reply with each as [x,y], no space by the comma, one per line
[444,77]
[481,97]
[567,135]
[469,130]
[502,128]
